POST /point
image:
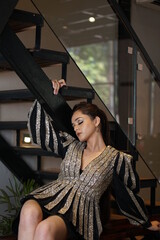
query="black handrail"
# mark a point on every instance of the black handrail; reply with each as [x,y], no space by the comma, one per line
[120,14]
[6,9]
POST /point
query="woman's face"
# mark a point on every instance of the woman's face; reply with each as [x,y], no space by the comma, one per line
[84,126]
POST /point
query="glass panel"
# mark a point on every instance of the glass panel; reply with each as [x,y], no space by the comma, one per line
[92,59]
[106,54]
[148,118]
[146,23]
[89,32]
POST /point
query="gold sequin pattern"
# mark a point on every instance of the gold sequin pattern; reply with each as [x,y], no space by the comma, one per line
[83,190]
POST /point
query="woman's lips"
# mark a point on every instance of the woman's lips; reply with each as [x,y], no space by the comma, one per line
[78,134]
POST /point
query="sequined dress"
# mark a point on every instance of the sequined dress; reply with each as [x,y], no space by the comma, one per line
[76,195]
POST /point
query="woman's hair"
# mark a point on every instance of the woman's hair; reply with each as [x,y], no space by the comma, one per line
[93,110]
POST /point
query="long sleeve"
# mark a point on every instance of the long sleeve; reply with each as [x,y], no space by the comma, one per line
[126,187]
[42,131]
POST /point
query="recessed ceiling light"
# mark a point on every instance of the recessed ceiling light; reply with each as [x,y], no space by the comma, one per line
[98,36]
[92,19]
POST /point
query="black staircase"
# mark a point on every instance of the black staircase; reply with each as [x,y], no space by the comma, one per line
[27,64]
[6,11]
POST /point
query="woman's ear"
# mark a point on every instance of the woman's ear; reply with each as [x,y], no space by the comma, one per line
[97,121]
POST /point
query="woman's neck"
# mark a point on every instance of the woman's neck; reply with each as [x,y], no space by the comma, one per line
[95,145]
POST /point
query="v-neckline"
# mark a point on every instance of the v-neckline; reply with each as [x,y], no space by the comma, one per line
[82,170]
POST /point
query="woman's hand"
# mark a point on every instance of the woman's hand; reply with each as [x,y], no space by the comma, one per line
[155,226]
[57,84]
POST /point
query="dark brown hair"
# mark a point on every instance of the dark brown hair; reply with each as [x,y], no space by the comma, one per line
[93,110]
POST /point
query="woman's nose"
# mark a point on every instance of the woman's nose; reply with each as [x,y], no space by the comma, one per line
[75,128]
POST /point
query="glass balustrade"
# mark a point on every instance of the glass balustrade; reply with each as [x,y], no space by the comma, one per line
[107,54]
[145,20]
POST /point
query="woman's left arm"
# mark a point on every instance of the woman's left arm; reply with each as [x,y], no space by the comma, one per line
[126,187]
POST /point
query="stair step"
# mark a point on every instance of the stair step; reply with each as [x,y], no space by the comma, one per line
[6,9]
[47,175]
[13,125]
[22,20]
[47,57]
[43,57]
[69,93]
[16,95]
[34,151]
[148,182]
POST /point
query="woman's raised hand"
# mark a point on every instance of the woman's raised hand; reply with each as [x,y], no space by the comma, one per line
[57,84]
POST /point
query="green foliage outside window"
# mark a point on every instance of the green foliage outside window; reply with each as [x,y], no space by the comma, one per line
[97,62]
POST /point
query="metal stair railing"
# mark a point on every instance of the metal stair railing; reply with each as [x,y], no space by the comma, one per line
[6,10]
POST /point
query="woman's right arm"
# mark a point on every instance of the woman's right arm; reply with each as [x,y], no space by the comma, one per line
[41,130]
[41,127]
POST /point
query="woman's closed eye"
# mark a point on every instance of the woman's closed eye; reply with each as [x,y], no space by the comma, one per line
[80,122]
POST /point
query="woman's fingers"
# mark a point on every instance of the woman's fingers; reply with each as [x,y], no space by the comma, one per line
[57,84]
[62,82]
[155,226]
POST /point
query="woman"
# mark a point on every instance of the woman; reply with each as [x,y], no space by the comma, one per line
[69,206]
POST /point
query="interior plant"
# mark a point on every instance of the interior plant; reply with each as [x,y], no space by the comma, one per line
[15,190]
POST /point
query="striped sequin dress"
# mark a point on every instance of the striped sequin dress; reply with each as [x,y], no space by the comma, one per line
[76,195]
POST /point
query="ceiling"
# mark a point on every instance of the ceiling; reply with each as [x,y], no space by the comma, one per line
[70,20]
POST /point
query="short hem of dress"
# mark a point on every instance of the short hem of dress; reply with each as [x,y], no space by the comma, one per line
[72,233]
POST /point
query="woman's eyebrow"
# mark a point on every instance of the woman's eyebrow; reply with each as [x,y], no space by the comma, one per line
[77,118]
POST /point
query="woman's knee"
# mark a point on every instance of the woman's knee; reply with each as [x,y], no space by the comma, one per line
[43,230]
[51,228]
[31,213]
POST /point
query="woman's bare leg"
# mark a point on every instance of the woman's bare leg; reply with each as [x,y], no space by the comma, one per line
[31,215]
[52,228]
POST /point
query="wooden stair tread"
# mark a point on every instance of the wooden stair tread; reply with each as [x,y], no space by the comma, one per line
[16,95]
[47,175]
[13,125]
[157,203]
[22,20]
[69,93]
[33,151]
[43,57]
[148,182]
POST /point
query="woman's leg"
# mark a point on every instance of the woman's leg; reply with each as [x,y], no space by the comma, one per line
[31,215]
[52,228]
